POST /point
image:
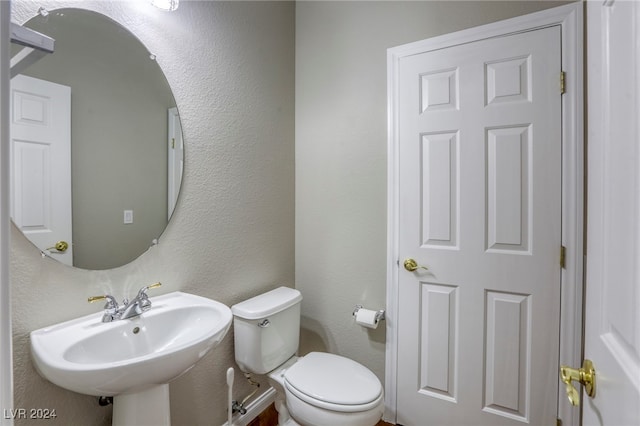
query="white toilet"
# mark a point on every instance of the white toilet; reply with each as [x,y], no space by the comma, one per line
[319,389]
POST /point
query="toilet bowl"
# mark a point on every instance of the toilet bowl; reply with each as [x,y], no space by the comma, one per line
[319,389]
[327,389]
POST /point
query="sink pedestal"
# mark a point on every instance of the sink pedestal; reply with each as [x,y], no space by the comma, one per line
[147,407]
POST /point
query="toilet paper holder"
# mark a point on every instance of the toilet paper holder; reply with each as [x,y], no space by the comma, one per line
[380,315]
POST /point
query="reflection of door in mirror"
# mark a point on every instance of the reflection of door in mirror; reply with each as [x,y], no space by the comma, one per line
[176,159]
[41,166]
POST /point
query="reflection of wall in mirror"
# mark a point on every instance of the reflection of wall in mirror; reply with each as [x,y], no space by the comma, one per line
[119,99]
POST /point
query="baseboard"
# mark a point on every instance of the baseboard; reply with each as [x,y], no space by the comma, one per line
[254,409]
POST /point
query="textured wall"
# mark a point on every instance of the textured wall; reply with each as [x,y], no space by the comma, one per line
[231,68]
[341,155]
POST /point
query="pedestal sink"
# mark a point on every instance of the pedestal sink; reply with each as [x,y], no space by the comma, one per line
[132,360]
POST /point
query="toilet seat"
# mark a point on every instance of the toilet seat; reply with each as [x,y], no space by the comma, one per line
[334,383]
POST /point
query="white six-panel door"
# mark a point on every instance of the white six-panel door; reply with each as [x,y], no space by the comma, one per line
[41,163]
[480,157]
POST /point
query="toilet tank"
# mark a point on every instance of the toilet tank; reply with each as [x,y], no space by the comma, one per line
[266,329]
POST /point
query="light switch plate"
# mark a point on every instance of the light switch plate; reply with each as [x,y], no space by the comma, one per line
[128,217]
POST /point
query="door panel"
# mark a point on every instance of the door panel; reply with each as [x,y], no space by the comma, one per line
[480,207]
[612,314]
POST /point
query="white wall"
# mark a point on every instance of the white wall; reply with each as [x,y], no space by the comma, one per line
[231,68]
[341,146]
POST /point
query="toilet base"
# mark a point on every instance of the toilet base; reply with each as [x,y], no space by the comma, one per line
[284,417]
[276,380]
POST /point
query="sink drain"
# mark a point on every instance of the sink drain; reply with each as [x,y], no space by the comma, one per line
[136,330]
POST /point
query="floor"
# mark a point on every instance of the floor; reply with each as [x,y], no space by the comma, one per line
[269,417]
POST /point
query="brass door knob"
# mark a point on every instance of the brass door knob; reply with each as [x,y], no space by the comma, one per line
[411,265]
[585,376]
[60,246]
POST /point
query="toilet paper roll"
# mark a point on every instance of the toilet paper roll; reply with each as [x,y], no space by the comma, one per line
[367,318]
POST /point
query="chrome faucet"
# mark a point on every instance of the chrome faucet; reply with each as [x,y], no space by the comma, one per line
[138,304]
[129,309]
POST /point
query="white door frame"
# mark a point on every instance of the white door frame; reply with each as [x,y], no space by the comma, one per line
[569,18]
[175,156]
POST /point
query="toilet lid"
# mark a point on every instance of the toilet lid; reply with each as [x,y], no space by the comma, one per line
[333,379]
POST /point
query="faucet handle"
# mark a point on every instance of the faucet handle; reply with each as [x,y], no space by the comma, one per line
[143,298]
[143,290]
[111,301]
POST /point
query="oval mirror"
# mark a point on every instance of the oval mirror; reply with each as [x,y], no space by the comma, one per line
[96,143]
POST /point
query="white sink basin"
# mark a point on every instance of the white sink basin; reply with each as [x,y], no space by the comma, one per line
[88,356]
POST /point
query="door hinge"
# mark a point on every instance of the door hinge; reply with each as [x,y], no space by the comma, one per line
[173,143]
[563,76]
[558,421]
[563,251]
